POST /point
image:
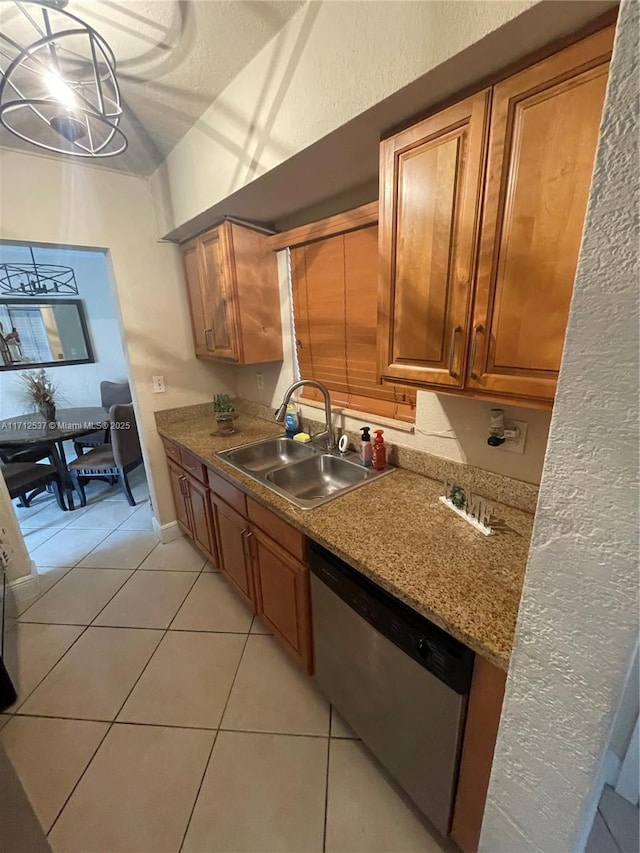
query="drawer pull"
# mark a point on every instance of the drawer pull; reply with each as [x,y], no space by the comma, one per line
[452,350]
[472,357]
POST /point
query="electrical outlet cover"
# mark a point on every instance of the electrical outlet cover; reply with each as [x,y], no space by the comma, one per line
[516,445]
[158,385]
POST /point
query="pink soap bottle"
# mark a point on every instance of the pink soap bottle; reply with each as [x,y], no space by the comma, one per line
[379,452]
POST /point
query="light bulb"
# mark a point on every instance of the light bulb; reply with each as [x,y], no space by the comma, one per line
[60,90]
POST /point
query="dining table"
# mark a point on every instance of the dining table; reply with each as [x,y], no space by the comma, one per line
[25,432]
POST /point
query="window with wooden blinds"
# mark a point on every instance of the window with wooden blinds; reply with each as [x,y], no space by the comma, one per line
[336,317]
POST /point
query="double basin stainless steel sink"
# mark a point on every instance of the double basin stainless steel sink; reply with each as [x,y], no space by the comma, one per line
[304,474]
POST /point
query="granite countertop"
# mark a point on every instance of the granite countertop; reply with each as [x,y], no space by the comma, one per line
[396,532]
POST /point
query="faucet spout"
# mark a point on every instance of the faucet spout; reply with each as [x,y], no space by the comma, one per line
[280,414]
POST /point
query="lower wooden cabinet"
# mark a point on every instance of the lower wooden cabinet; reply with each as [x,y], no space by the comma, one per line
[282,595]
[192,510]
[233,547]
[260,554]
[202,530]
[177,478]
[481,730]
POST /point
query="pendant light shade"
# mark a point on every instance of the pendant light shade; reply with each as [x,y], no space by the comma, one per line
[58,86]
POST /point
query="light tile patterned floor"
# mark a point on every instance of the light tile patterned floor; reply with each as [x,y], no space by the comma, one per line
[155,714]
[616,827]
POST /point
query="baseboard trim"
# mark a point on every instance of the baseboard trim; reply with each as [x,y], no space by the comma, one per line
[167,532]
[27,587]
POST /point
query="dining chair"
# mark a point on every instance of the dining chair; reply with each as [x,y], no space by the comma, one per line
[29,453]
[25,480]
[111,393]
[114,459]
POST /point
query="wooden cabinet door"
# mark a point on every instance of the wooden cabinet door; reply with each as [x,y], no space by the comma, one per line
[544,132]
[179,487]
[202,529]
[233,548]
[282,596]
[218,278]
[199,304]
[430,186]
[480,734]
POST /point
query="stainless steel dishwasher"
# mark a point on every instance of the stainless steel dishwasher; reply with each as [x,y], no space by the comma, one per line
[397,679]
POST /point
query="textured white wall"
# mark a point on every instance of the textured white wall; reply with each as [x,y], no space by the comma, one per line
[65,203]
[579,614]
[330,62]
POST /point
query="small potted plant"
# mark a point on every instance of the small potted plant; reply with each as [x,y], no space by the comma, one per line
[225,414]
[39,392]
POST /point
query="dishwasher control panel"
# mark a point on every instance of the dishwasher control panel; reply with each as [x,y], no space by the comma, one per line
[447,658]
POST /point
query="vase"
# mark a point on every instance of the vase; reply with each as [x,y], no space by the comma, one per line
[48,412]
[224,422]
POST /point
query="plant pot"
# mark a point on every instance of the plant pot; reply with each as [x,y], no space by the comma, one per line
[224,422]
[48,412]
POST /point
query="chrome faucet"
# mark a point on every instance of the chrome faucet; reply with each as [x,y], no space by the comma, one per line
[327,407]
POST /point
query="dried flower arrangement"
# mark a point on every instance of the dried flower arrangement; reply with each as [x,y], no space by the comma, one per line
[39,392]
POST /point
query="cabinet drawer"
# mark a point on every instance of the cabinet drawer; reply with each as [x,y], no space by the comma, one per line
[193,466]
[234,496]
[172,450]
[278,529]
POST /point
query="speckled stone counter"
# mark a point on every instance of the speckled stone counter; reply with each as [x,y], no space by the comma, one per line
[396,532]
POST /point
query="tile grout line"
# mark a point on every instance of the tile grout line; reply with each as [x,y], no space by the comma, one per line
[53,666]
[82,633]
[74,566]
[165,631]
[110,724]
[206,767]
[326,783]
[609,830]
[81,777]
[175,725]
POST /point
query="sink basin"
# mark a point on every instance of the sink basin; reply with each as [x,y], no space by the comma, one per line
[304,474]
[319,477]
[273,453]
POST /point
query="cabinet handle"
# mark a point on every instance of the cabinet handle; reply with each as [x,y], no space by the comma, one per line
[452,350]
[207,339]
[246,533]
[472,357]
[184,488]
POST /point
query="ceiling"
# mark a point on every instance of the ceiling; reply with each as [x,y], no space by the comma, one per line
[173,58]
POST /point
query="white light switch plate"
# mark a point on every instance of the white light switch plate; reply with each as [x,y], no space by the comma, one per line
[259,382]
[516,445]
[158,385]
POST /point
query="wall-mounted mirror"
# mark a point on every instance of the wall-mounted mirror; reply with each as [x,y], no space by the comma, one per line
[43,333]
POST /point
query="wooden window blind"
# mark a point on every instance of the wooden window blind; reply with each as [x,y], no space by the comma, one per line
[336,318]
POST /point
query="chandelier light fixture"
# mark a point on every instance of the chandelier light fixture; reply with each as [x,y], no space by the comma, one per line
[58,86]
[37,279]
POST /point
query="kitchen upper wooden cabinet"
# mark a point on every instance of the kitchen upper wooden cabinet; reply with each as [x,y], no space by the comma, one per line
[198,296]
[234,296]
[430,182]
[221,332]
[542,145]
[482,212]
